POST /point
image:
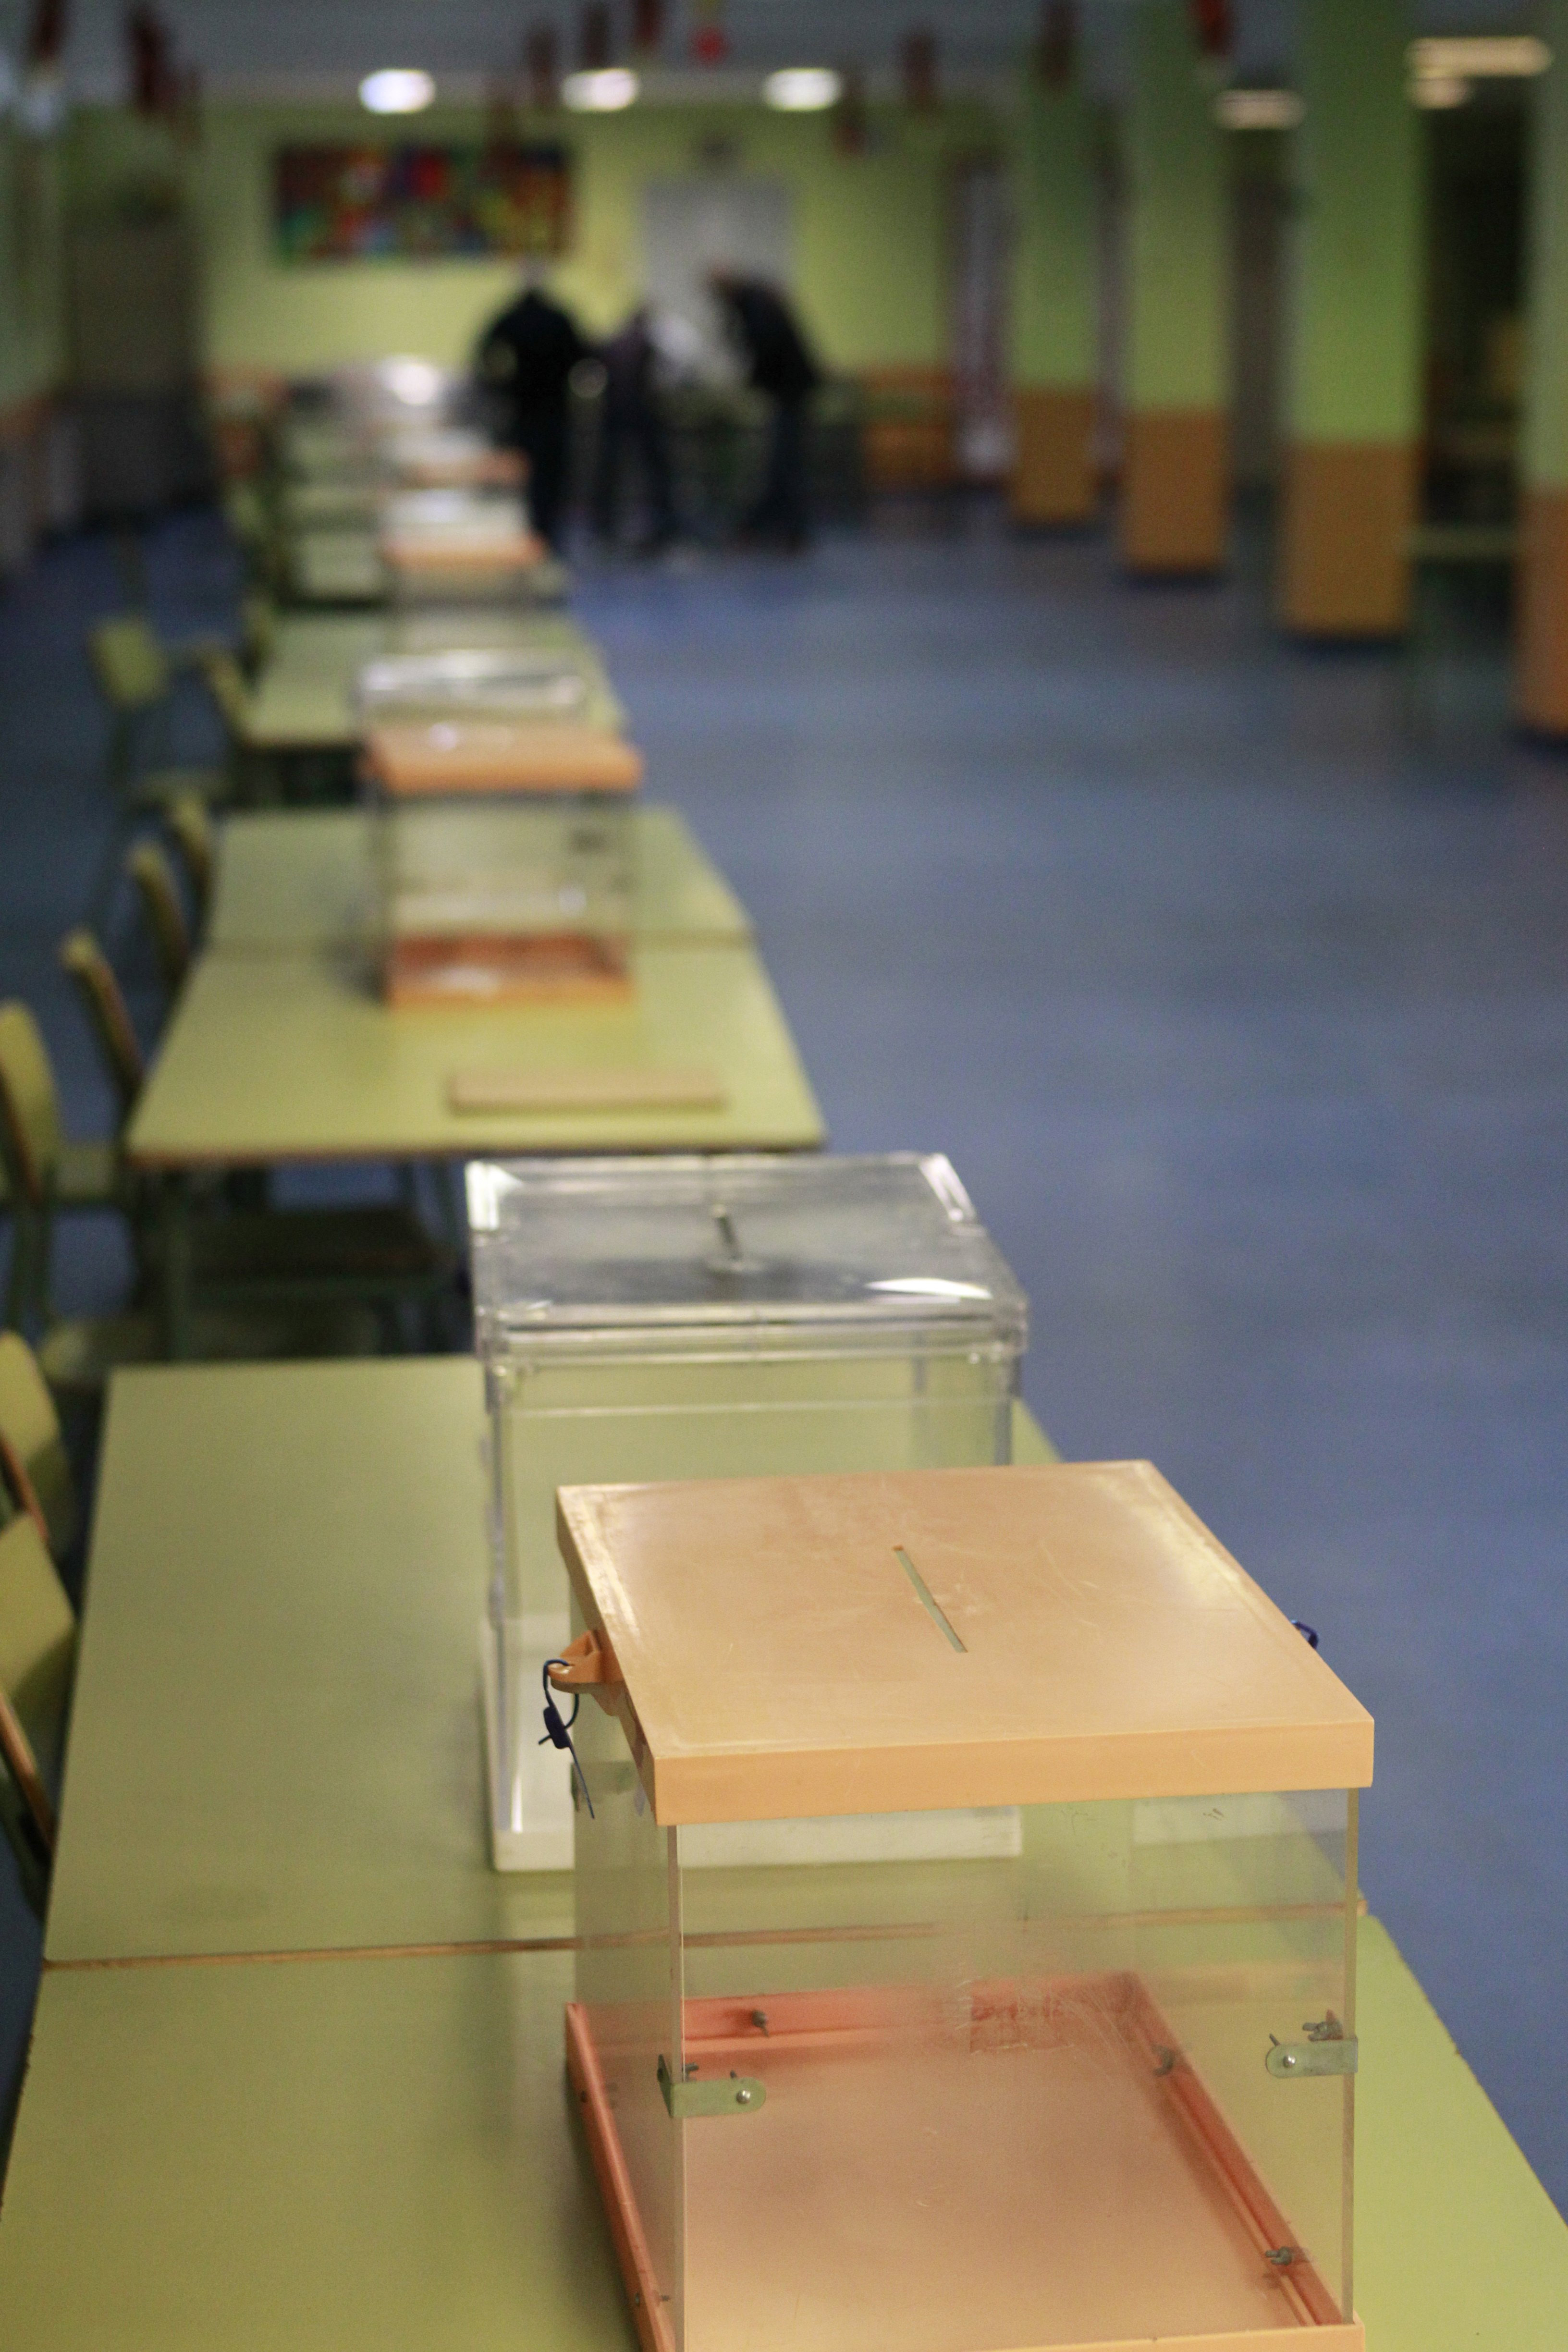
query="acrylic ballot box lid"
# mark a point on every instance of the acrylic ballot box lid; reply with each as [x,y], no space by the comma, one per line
[886,1246]
[463,757]
[900,1642]
[476,682]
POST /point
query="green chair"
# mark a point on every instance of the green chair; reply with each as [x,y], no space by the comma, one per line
[107,1017]
[38,1652]
[33,1464]
[44,1172]
[262,1283]
[136,676]
[190,824]
[158,895]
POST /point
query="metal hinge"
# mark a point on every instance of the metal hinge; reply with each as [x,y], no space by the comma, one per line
[726,2095]
[1327,2050]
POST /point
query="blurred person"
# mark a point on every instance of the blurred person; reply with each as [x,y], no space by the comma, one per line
[632,426]
[779,363]
[525,362]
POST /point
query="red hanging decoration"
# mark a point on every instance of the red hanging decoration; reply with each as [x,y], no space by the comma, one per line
[155,79]
[647,26]
[709,40]
[46,34]
[541,64]
[593,40]
[851,116]
[1213,26]
[1057,52]
[918,62]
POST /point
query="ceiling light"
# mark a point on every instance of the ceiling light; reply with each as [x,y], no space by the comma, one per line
[397,89]
[1484,57]
[1259,110]
[1437,91]
[804,89]
[603,92]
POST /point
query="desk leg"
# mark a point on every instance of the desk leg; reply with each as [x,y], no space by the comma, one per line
[174,1237]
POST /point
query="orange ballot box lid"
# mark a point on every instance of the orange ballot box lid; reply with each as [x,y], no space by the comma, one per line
[907,1641]
[418,756]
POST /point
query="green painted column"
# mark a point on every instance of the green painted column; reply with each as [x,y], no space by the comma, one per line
[1056,306]
[1175,501]
[1543,456]
[1357,324]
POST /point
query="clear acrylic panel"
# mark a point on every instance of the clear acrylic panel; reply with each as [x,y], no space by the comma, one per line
[736,1316]
[1016,2074]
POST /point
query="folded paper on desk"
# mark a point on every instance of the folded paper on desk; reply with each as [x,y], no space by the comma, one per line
[602,1089]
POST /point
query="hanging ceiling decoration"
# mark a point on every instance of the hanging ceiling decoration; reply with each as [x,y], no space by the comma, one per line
[1213,26]
[541,65]
[710,35]
[648,27]
[1057,53]
[852,116]
[918,63]
[594,37]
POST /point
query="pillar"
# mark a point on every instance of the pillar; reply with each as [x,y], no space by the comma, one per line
[1175,473]
[1542,681]
[1353,425]
[1055,310]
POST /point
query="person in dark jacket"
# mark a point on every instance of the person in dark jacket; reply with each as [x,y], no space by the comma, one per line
[779,363]
[525,362]
[632,426]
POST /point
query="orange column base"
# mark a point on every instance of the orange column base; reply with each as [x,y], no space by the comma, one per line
[1345,551]
[1542,679]
[1053,478]
[1176,492]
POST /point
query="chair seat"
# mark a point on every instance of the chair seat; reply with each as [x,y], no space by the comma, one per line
[77,1357]
[160,786]
[88,1176]
[277,1249]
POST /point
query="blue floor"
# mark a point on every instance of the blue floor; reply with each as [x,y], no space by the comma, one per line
[1234,979]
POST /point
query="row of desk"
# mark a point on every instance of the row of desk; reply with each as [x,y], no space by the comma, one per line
[296,2073]
[296,2078]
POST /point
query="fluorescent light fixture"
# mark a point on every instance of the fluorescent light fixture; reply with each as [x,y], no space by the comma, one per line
[1259,110]
[1437,92]
[802,89]
[414,383]
[397,89]
[604,92]
[1483,58]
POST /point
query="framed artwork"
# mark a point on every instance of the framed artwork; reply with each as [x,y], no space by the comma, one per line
[420,203]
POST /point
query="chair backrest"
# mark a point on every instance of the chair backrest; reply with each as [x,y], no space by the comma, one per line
[99,995]
[226,684]
[192,827]
[258,630]
[32,1449]
[130,665]
[29,1105]
[159,897]
[37,1651]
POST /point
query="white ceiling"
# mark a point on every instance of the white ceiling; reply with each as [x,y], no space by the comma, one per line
[326,44]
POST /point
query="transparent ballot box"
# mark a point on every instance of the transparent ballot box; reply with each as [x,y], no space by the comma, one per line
[965,1899]
[501,874]
[462,545]
[542,683]
[705,1318]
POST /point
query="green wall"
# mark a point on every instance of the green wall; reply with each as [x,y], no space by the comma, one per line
[1179,254]
[872,230]
[1056,300]
[32,330]
[1545,436]
[1357,306]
